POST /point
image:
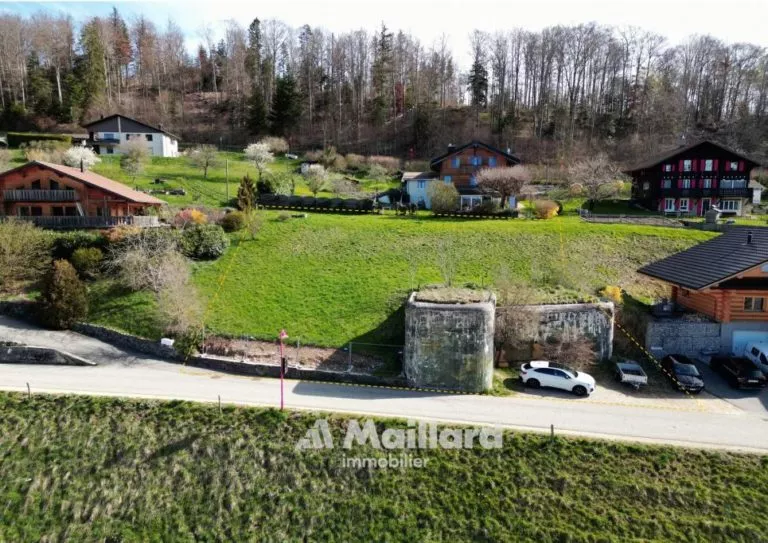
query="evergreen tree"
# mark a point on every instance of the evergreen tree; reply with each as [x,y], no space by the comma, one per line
[257,113]
[246,194]
[91,66]
[286,107]
[253,55]
[64,300]
[478,83]
[381,72]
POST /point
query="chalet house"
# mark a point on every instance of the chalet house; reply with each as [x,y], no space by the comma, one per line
[107,134]
[55,196]
[691,179]
[725,279]
[458,167]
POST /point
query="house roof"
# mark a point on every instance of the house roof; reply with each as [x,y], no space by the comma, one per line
[666,155]
[410,176]
[94,180]
[153,128]
[511,159]
[713,261]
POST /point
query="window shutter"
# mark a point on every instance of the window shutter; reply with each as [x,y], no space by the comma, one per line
[679,183]
[714,184]
[714,165]
[727,165]
[694,164]
[703,165]
[663,167]
[741,165]
[681,166]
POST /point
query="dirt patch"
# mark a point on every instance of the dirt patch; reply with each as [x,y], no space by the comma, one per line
[307,357]
[449,295]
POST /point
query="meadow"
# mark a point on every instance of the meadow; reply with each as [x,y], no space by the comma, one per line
[329,279]
[103,469]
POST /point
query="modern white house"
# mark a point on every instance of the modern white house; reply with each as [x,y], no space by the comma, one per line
[107,134]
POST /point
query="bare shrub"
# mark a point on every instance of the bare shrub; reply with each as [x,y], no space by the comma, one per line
[147,261]
[355,162]
[416,166]
[597,178]
[389,163]
[179,303]
[204,157]
[313,156]
[317,178]
[24,254]
[578,354]
[343,187]
[276,145]
[443,198]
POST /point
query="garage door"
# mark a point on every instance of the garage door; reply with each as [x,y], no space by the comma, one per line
[742,338]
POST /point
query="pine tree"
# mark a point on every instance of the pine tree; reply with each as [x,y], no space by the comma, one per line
[286,108]
[246,194]
[257,113]
[380,76]
[253,54]
[64,300]
[91,65]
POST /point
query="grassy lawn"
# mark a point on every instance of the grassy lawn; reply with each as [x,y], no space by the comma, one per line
[329,279]
[98,469]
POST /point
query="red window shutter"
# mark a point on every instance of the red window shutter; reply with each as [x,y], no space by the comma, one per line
[663,167]
[694,164]
[727,165]
[741,165]
[714,165]
[679,183]
[680,166]
[714,184]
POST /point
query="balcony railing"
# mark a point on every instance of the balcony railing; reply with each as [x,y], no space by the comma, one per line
[92,222]
[735,193]
[676,192]
[36,195]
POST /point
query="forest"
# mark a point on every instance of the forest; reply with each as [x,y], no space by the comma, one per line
[550,96]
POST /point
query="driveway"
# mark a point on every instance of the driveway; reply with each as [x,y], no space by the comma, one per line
[755,401]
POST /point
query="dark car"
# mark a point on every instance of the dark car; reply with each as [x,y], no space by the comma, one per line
[739,372]
[683,373]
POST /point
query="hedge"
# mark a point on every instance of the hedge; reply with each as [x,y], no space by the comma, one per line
[320,204]
[15,139]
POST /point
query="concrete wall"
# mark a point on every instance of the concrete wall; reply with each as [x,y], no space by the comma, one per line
[449,346]
[568,323]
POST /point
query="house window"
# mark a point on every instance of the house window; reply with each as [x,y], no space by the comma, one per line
[109,136]
[110,151]
[127,137]
[70,211]
[456,162]
[753,304]
[148,136]
[708,165]
[53,184]
[421,183]
[669,204]
[684,204]
[706,183]
[646,186]
[687,165]
[448,179]
[57,211]
[35,185]
[477,161]
[730,205]
[686,183]
[733,184]
[733,166]
[667,167]
[666,184]
[36,211]
[492,161]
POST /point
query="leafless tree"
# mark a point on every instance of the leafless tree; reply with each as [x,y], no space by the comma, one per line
[596,177]
[507,181]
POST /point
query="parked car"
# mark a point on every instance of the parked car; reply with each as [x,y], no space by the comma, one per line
[739,372]
[758,353]
[541,373]
[683,373]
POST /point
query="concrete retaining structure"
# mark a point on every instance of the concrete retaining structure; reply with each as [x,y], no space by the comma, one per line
[449,345]
[127,341]
[24,354]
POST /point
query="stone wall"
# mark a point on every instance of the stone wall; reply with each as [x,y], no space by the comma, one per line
[562,322]
[23,354]
[675,335]
[127,341]
[449,346]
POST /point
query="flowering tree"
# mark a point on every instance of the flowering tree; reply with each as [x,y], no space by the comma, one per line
[77,156]
[260,156]
[506,181]
[204,157]
[317,178]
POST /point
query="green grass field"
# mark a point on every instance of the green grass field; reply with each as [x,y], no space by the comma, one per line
[97,469]
[329,279]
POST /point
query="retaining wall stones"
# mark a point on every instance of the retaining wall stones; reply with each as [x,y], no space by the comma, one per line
[127,341]
[23,354]
[690,338]
[449,346]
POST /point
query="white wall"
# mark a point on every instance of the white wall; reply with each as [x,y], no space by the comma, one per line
[161,144]
[419,194]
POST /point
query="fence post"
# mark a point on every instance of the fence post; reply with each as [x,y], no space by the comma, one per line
[350,356]
[29,392]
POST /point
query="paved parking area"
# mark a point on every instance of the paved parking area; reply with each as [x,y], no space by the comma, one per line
[753,401]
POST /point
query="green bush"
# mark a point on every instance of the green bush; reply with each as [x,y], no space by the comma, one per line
[64,300]
[204,241]
[87,262]
[66,243]
[444,198]
[15,139]
[233,221]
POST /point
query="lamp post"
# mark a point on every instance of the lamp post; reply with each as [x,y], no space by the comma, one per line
[283,336]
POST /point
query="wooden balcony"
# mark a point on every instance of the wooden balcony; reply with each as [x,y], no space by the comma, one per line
[36,195]
[143,221]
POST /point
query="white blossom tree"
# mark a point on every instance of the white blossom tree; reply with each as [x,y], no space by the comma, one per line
[81,156]
[317,178]
[259,155]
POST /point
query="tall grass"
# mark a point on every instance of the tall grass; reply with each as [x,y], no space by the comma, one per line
[93,469]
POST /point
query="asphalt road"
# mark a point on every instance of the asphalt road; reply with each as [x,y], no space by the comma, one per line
[124,374]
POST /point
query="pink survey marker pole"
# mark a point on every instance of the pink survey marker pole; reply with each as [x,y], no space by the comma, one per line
[283,336]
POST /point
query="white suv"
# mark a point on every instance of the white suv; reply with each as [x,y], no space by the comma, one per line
[540,373]
[758,353]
